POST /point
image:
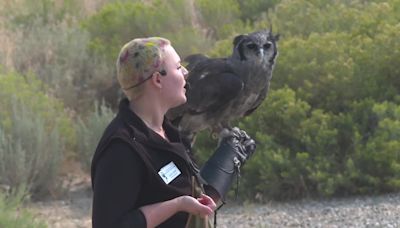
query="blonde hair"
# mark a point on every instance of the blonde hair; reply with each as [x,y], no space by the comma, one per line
[137,61]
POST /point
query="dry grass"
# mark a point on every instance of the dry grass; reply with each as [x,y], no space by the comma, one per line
[8,38]
[6,48]
[91,6]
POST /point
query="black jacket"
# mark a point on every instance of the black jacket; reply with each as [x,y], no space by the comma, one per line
[125,170]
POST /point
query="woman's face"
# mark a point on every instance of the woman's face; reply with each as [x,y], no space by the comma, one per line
[174,81]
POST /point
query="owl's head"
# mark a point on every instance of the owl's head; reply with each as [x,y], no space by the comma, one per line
[258,47]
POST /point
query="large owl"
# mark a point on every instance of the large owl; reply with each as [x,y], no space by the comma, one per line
[224,89]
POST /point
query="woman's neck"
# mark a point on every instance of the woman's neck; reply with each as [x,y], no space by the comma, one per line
[150,113]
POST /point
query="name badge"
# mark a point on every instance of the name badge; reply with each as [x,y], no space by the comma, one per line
[169,172]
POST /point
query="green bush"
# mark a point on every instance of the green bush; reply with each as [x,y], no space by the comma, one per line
[119,22]
[276,126]
[302,18]
[45,40]
[25,13]
[220,16]
[58,55]
[30,154]
[378,159]
[34,131]
[333,63]
[12,215]
[29,90]
[253,9]
[89,132]
[309,152]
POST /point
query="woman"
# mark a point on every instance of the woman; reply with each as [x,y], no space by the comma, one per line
[141,173]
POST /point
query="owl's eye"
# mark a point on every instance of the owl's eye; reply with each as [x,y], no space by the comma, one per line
[251,46]
[267,45]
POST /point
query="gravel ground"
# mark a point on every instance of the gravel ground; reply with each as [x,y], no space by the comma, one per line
[374,211]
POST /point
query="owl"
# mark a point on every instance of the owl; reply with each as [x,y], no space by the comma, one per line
[220,90]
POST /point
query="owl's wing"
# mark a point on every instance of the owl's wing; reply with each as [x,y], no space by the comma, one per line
[212,84]
[258,102]
[193,60]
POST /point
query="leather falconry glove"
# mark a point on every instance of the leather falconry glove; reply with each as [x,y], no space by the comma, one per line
[234,149]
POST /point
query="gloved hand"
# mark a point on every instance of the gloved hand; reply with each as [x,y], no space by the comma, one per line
[234,148]
[241,141]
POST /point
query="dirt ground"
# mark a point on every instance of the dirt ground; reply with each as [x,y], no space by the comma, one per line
[71,209]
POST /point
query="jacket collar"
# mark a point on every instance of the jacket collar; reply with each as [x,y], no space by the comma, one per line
[141,133]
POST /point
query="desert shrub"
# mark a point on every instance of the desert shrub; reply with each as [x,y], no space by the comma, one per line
[12,215]
[30,153]
[378,158]
[253,9]
[58,55]
[30,90]
[119,22]
[219,16]
[89,130]
[44,38]
[24,13]
[331,74]
[307,17]
[311,152]
[34,132]
[274,171]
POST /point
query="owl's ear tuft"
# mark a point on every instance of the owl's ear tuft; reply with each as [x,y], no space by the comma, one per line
[276,37]
[238,44]
[238,39]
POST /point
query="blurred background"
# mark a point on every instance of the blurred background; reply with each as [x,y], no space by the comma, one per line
[330,126]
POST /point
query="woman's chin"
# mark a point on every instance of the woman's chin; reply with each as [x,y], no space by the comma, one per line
[181,102]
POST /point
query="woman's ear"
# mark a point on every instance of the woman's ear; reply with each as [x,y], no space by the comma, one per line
[156,79]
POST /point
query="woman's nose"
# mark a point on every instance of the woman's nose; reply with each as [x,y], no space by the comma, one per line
[185,72]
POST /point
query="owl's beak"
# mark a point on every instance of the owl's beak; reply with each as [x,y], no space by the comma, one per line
[261,53]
